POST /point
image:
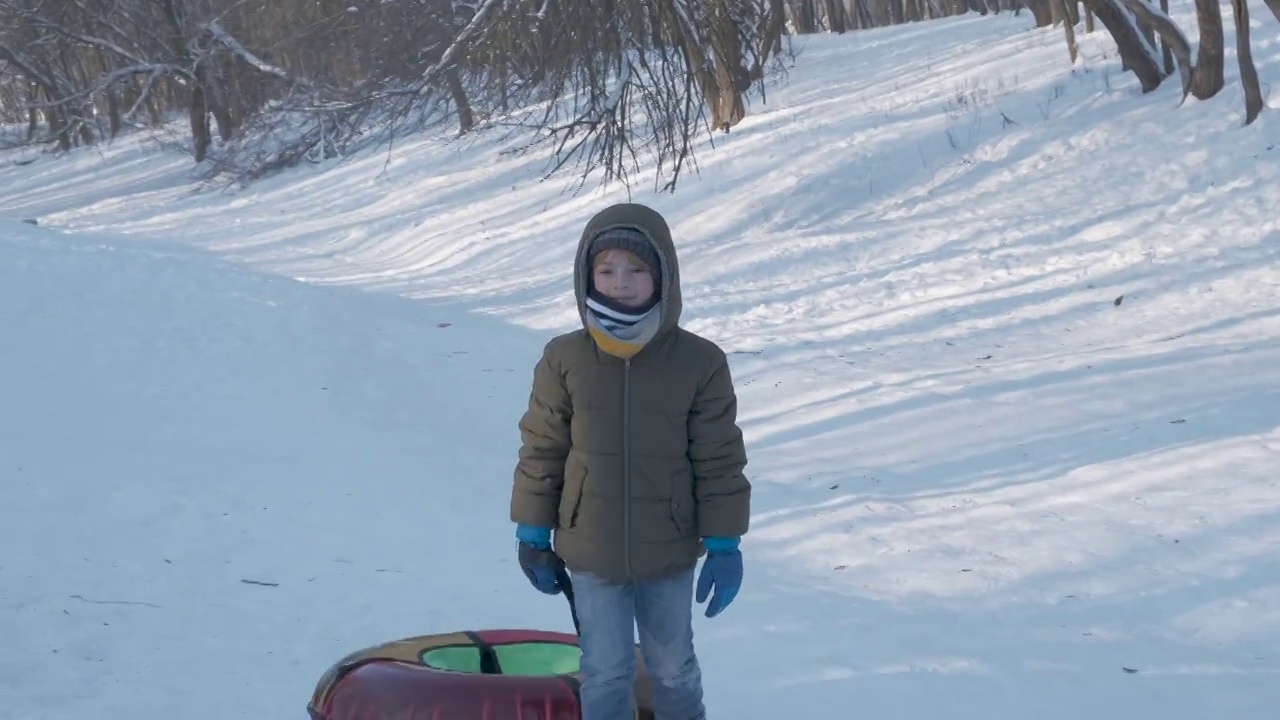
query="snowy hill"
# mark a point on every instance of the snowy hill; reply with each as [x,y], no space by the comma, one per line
[177,432]
[1006,336]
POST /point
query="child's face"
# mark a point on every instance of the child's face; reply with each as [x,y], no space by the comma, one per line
[623,277]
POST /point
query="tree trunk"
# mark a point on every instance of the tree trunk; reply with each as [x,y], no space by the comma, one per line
[200,135]
[728,67]
[707,70]
[806,17]
[1164,44]
[1207,79]
[153,105]
[1248,73]
[33,115]
[64,128]
[84,129]
[113,111]
[1069,28]
[466,118]
[213,98]
[222,114]
[835,15]
[771,38]
[863,16]
[1041,10]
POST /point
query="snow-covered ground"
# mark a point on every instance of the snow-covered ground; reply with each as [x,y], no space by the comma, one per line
[1006,335]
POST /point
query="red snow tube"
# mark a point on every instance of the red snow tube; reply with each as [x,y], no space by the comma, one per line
[481,675]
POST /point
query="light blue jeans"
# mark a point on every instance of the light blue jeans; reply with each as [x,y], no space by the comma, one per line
[608,616]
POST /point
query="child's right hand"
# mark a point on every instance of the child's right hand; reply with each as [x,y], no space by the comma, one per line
[542,566]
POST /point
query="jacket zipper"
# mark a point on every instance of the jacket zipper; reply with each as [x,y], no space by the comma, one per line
[626,465]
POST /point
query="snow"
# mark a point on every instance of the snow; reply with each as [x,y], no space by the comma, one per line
[251,430]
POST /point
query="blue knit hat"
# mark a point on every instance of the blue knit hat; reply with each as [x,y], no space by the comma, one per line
[631,240]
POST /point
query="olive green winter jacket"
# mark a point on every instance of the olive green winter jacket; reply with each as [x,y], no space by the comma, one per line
[632,459]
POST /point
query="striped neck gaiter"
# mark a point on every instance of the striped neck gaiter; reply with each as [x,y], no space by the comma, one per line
[621,331]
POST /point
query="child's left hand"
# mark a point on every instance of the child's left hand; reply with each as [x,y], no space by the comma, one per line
[723,570]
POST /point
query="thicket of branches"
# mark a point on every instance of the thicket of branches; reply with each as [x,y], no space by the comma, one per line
[266,84]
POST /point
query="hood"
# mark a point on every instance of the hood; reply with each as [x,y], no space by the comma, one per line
[653,226]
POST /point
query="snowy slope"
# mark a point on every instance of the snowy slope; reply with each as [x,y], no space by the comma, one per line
[177,432]
[984,488]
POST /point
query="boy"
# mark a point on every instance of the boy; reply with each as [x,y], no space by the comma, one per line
[632,454]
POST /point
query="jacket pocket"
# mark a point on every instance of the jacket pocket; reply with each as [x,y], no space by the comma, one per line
[575,479]
[684,511]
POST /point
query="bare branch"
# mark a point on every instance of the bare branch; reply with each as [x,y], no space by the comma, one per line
[215,30]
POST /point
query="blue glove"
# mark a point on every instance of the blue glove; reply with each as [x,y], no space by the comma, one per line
[722,569]
[542,566]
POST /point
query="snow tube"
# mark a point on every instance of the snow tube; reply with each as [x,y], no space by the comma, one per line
[470,675]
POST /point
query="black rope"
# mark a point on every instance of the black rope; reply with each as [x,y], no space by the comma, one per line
[566,586]
[488,657]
